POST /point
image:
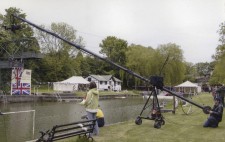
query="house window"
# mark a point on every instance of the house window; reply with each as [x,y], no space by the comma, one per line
[118,83]
[101,82]
[89,79]
[105,82]
[110,82]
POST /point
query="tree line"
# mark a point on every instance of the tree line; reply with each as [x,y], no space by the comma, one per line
[61,60]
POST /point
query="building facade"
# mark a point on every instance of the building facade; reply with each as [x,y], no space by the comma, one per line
[106,82]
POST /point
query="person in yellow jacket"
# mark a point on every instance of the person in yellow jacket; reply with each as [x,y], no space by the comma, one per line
[100,118]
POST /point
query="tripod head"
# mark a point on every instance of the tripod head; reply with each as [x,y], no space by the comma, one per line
[157,81]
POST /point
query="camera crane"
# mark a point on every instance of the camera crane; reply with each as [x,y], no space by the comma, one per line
[155,81]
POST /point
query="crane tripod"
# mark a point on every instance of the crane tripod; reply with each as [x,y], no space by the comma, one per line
[157,83]
[155,110]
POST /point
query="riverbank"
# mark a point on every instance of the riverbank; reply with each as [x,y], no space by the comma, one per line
[46,97]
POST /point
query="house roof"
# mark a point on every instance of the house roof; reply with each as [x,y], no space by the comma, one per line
[117,80]
[105,78]
[100,77]
[75,80]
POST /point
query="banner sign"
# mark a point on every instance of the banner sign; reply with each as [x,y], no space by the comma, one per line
[21,81]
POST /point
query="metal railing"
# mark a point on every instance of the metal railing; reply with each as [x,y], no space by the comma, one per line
[58,97]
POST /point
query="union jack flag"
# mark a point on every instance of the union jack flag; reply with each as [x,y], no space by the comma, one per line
[18,86]
[18,74]
[21,89]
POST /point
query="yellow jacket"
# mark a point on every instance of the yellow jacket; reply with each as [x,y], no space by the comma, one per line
[99,114]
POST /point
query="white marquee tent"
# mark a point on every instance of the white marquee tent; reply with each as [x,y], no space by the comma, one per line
[70,84]
[188,87]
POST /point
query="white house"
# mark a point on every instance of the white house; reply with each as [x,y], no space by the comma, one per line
[105,82]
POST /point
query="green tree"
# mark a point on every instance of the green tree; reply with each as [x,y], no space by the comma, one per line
[174,70]
[19,40]
[14,42]
[51,44]
[61,60]
[114,49]
[190,71]
[218,76]
[96,65]
[220,48]
[203,69]
[139,60]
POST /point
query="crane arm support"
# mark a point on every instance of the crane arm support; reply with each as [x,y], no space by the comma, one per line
[205,109]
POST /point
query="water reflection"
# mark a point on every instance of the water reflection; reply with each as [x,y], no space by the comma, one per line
[19,127]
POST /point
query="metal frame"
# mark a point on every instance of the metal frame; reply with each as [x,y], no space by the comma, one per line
[59,132]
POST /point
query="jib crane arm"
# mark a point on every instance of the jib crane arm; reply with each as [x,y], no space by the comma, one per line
[156,81]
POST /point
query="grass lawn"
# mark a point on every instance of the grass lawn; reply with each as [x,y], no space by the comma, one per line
[178,128]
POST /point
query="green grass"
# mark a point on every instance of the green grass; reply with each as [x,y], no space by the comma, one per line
[178,128]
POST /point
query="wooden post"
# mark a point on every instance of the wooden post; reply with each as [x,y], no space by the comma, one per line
[174,105]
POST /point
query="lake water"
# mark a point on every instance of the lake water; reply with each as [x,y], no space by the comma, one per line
[20,127]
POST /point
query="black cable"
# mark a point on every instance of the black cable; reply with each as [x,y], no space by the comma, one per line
[165,62]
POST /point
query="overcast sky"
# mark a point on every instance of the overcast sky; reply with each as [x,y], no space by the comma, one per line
[191,24]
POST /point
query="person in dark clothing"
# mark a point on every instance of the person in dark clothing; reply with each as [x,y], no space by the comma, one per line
[216,114]
[221,92]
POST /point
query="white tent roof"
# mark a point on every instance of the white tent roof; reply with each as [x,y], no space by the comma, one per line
[75,80]
[187,84]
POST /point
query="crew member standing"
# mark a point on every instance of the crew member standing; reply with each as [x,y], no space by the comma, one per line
[91,105]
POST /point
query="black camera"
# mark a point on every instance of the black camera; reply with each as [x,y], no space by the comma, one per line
[157,81]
